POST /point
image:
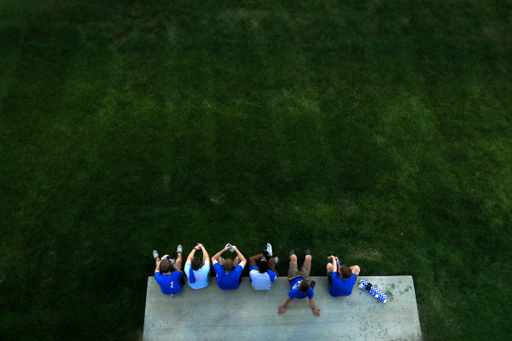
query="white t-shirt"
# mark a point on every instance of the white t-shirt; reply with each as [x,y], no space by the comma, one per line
[201,275]
[261,281]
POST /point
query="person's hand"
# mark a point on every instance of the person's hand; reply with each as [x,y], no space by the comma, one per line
[281,310]
[164,257]
[226,247]
[234,248]
[316,312]
[331,257]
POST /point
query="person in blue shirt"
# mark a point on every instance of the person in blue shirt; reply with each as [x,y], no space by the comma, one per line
[341,277]
[299,283]
[168,273]
[228,271]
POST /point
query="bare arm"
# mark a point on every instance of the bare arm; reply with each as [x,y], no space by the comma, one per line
[243,261]
[282,309]
[217,255]
[316,311]
[206,257]
[253,259]
[191,255]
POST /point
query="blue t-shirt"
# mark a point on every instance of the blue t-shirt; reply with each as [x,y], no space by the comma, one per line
[295,291]
[342,287]
[230,280]
[169,284]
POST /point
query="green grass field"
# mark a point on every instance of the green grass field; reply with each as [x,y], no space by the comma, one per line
[379,131]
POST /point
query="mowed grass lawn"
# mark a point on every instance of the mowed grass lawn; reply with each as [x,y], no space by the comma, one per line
[379,131]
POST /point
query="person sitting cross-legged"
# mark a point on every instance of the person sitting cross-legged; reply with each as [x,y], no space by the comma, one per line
[198,271]
[341,277]
[299,283]
[263,275]
[229,272]
[168,273]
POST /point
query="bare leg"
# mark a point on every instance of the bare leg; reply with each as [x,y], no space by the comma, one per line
[272,265]
[355,269]
[306,268]
[177,265]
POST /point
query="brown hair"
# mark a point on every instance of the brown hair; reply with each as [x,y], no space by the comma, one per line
[196,264]
[345,271]
[228,265]
[304,286]
[165,266]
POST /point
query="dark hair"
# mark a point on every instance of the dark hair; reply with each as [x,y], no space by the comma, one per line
[228,265]
[345,271]
[304,286]
[263,267]
[165,266]
[196,264]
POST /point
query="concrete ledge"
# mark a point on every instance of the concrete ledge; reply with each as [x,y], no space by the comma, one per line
[246,314]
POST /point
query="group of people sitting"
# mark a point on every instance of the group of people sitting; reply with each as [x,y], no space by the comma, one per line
[262,273]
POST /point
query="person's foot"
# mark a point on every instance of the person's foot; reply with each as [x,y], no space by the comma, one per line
[269,250]
[179,249]
[291,253]
[308,252]
[276,259]
[171,260]
[155,254]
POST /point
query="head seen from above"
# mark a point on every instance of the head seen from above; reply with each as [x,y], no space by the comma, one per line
[263,267]
[304,286]
[228,265]
[344,271]
[196,263]
[165,266]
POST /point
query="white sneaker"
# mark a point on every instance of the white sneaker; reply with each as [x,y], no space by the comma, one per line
[277,259]
[269,250]
[179,249]
[155,254]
